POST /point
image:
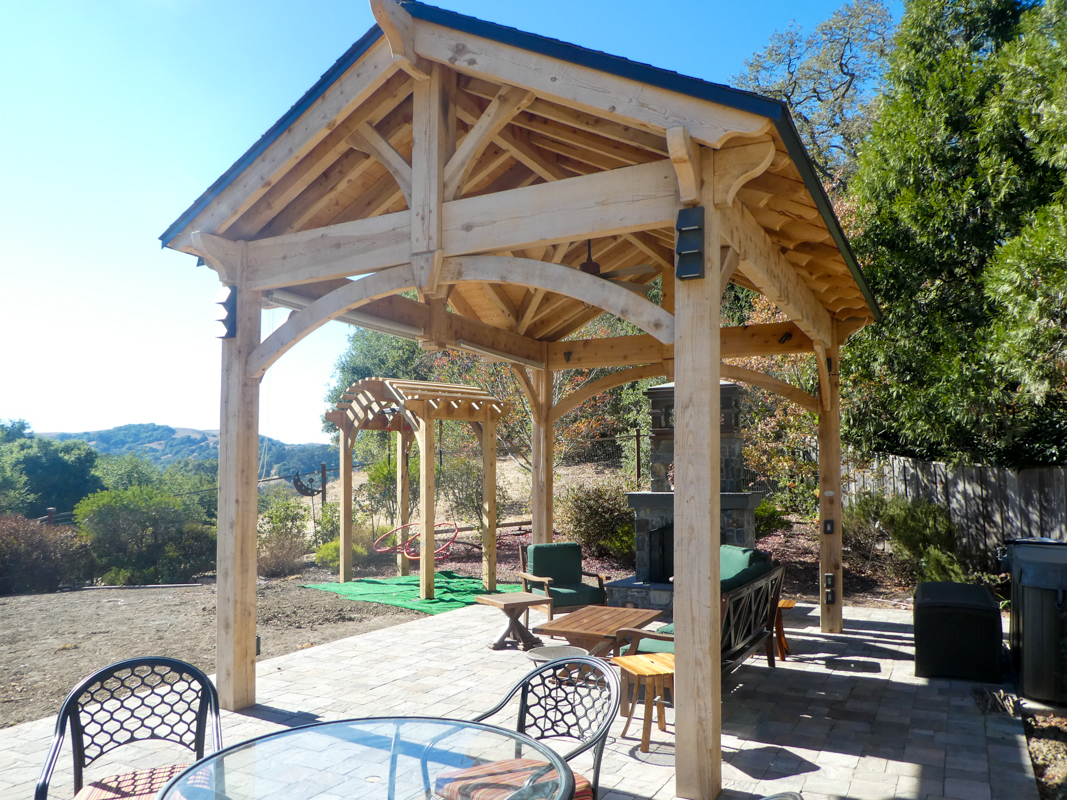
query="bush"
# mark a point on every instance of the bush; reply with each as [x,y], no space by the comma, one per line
[134,533]
[38,558]
[770,520]
[328,555]
[282,538]
[461,483]
[597,517]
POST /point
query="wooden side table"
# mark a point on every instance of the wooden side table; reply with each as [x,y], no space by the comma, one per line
[779,628]
[513,604]
[656,670]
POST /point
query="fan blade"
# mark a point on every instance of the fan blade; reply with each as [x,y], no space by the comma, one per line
[640,269]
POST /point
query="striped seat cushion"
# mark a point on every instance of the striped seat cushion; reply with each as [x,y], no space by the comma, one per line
[496,780]
[141,785]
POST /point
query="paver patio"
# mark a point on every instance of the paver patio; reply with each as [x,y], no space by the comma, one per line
[843,717]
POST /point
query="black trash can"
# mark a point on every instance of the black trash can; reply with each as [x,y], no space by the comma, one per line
[958,633]
[1039,617]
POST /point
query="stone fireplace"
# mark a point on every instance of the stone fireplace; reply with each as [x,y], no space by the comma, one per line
[650,587]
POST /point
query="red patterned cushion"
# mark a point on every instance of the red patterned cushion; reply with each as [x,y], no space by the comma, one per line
[132,786]
[498,779]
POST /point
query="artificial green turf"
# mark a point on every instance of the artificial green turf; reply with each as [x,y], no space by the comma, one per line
[450,591]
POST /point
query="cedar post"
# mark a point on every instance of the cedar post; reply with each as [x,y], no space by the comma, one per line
[696,516]
[489,504]
[425,435]
[403,493]
[345,508]
[830,495]
[543,456]
[238,513]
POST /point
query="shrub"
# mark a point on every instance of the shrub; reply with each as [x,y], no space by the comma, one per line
[328,555]
[461,483]
[596,516]
[770,520]
[38,558]
[135,532]
[282,538]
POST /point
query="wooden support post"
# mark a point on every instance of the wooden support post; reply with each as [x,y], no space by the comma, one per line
[425,435]
[830,495]
[543,456]
[696,517]
[348,437]
[237,515]
[489,505]
[430,105]
[403,494]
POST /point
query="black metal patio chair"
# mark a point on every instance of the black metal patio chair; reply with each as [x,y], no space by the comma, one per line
[134,700]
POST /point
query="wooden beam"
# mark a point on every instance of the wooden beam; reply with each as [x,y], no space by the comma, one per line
[522,377]
[235,648]
[343,97]
[557,278]
[348,439]
[222,255]
[542,457]
[823,369]
[429,132]
[733,372]
[735,166]
[593,388]
[728,259]
[830,498]
[508,102]
[399,30]
[697,536]
[501,300]
[367,139]
[685,156]
[615,351]
[620,99]
[763,264]
[629,199]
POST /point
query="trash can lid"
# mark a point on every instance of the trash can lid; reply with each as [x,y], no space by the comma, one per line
[1038,563]
[945,594]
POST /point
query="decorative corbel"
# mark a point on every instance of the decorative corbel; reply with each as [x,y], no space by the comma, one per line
[399,30]
[222,255]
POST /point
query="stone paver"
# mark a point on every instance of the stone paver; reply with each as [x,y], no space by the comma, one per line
[844,717]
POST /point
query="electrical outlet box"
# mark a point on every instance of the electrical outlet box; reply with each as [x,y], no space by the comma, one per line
[827,526]
[828,580]
[829,597]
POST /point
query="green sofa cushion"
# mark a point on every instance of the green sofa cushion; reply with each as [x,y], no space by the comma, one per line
[746,575]
[560,561]
[579,594]
[734,559]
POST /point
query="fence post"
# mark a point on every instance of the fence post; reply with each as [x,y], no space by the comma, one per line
[637,443]
[51,514]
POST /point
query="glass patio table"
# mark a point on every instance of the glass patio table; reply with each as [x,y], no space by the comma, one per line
[395,758]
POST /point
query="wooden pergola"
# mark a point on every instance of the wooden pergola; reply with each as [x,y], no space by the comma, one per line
[477,166]
[410,408]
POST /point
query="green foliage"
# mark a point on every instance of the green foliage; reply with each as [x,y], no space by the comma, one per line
[282,537]
[770,520]
[827,79]
[328,555]
[13,429]
[40,558]
[124,471]
[145,535]
[596,516]
[377,497]
[53,474]
[955,202]
[196,481]
[460,481]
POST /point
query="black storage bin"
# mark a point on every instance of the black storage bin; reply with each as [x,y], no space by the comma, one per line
[1038,623]
[957,632]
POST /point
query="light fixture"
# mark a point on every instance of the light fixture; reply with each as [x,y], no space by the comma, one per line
[286,299]
[590,266]
[498,354]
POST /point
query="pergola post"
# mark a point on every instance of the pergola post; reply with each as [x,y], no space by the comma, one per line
[238,512]
[345,509]
[489,505]
[403,494]
[830,494]
[696,518]
[542,456]
[425,435]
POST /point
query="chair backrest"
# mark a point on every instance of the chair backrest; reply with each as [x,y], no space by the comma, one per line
[561,561]
[570,698]
[137,699]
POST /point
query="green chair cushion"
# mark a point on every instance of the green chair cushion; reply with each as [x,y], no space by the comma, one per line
[579,594]
[746,575]
[733,559]
[651,646]
[560,561]
[669,628]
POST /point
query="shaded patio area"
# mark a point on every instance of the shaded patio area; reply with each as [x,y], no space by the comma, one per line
[843,717]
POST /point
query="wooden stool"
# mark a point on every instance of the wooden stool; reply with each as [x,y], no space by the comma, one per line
[779,628]
[657,672]
[513,604]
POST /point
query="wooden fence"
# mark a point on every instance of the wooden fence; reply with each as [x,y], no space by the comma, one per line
[988,504]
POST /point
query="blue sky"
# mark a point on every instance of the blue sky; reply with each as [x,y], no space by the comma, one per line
[115,116]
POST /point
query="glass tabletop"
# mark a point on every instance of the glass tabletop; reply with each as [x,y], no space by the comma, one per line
[396,758]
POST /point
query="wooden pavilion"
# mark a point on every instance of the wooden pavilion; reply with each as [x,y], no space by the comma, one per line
[481,166]
[410,408]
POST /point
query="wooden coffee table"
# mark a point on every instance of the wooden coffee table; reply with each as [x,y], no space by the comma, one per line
[594,627]
[513,604]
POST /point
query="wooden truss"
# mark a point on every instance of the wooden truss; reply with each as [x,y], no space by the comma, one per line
[410,408]
[445,182]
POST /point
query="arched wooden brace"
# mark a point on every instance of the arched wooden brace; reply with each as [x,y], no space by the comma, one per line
[602,385]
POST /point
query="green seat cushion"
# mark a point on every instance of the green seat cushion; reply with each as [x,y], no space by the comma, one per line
[669,628]
[560,561]
[733,559]
[578,594]
[746,575]
[651,646]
